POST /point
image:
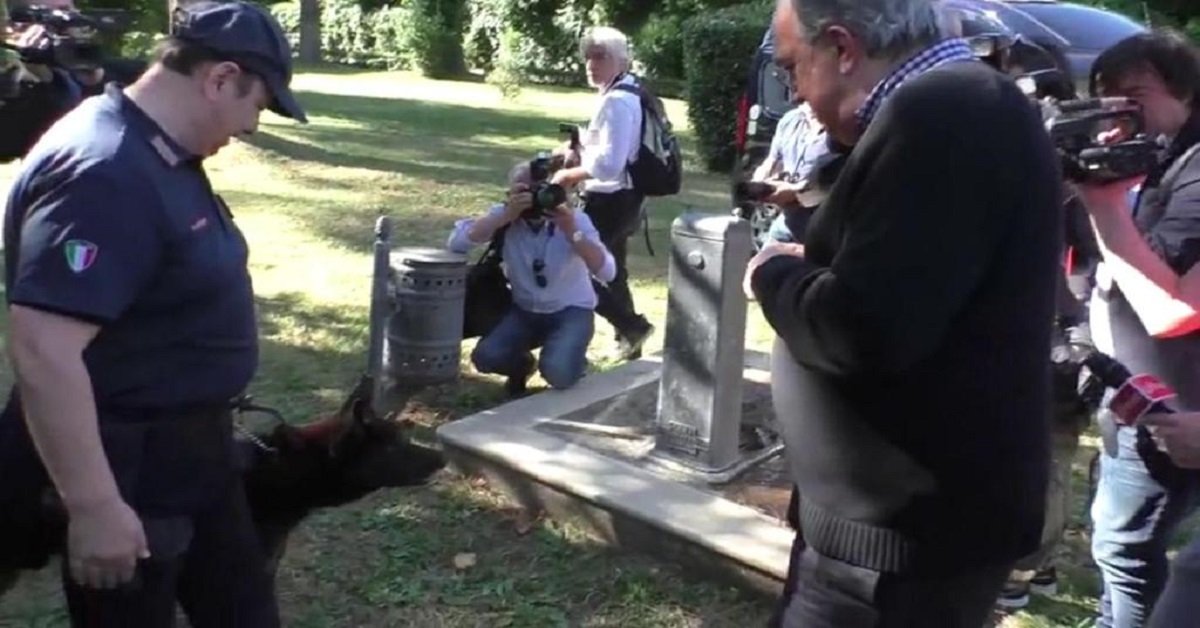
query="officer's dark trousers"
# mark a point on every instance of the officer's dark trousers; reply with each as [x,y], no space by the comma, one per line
[617,216]
[833,594]
[219,578]
[175,469]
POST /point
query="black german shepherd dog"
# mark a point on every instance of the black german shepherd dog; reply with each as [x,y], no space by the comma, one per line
[288,473]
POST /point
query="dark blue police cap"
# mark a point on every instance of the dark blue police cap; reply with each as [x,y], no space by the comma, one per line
[249,36]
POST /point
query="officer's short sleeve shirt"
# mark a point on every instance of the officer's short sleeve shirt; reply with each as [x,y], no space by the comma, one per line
[113,223]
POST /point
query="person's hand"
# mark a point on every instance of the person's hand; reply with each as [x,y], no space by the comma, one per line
[104,543]
[1108,197]
[34,36]
[785,194]
[773,249]
[1177,435]
[563,218]
[571,157]
[519,200]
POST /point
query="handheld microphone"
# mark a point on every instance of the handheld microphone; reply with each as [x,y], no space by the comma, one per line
[1135,397]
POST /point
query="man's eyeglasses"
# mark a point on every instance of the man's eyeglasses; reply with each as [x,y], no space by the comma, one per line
[539,269]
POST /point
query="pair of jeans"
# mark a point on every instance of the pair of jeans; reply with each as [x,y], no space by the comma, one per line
[1134,516]
[834,594]
[564,337]
[616,216]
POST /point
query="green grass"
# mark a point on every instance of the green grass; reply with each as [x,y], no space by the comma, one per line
[428,153]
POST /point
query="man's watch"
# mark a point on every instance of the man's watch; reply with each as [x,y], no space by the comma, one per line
[577,237]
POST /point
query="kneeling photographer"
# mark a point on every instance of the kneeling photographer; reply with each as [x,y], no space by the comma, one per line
[1144,312]
[550,254]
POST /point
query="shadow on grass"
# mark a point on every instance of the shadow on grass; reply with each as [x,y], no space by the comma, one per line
[448,155]
[395,565]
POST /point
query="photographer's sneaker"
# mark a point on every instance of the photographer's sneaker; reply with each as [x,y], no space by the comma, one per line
[517,385]
[1014,596]
[1045,583]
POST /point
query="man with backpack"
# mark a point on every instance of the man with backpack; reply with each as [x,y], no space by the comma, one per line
[626,153]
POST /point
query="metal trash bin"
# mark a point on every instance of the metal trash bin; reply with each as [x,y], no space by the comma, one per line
[424,329]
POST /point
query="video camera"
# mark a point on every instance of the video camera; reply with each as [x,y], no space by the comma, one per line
[73,37]
[1076,126]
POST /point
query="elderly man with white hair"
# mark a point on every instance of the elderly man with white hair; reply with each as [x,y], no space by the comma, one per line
[910,373]
[610,142]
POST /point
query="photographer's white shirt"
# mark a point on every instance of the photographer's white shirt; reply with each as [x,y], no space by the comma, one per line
[612,139]
[568,282]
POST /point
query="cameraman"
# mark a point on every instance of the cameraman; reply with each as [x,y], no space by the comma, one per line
[549,261]
[610,143]
[1145,315]
[34,96]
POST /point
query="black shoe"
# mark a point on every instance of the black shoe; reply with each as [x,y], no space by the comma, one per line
[630,345]
[516,384]
[1014,596]
[1045,582]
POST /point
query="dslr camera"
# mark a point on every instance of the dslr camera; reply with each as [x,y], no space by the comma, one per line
[546,195]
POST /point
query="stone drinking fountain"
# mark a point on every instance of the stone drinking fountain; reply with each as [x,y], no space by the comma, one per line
[673,455]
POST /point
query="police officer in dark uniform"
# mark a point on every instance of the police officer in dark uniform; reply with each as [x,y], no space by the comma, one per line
[132,326]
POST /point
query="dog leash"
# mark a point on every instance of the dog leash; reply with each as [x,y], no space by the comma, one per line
[245,404]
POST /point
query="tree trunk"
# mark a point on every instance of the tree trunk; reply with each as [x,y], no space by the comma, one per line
[310,31]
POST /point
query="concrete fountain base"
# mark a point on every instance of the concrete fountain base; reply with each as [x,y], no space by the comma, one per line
[544,452]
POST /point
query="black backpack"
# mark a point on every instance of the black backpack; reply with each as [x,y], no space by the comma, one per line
[658,170]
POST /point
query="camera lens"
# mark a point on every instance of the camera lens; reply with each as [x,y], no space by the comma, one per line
[550,196]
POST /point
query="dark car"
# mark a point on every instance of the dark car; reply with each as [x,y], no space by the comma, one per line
[1049,35]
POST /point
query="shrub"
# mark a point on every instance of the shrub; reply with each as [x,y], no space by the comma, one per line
[435,34]
[390,36]
[508,75]
[346,33]
[658,47]
[288,16]
[718,47]
[138,45]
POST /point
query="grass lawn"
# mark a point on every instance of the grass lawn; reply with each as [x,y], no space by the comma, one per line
[428,153]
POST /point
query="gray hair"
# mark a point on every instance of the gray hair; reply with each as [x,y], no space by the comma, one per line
[609,39]
[886,27]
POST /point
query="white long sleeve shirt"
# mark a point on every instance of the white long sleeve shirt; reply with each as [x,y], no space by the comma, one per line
[612,139]
[568,280]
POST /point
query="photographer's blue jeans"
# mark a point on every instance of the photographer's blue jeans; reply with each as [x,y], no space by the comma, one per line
[564,337]
[1134,518]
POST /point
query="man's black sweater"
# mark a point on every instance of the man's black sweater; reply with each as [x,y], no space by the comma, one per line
[911,376]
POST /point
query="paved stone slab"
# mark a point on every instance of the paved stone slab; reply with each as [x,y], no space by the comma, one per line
[624,503]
